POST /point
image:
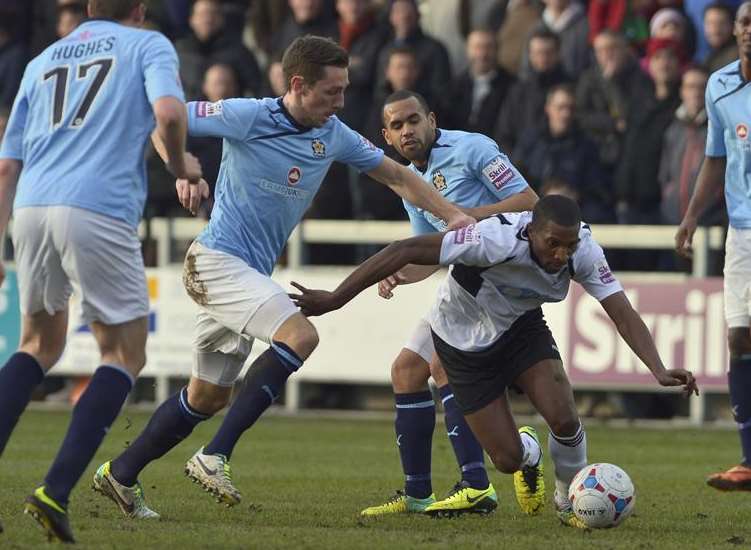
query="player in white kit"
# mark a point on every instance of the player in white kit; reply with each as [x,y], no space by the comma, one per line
[489,331]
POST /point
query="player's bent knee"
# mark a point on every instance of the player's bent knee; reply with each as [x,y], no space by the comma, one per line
[506,462]
[439,374]
[409,373]
[299,334]
[208,398]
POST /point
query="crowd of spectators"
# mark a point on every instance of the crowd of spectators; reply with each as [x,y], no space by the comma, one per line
[599,99]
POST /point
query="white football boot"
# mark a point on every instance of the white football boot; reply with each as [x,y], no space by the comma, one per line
[212,472]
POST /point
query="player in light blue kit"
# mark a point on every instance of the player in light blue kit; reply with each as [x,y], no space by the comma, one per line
[276,153]
[727,163]
[73,158]
[470,171]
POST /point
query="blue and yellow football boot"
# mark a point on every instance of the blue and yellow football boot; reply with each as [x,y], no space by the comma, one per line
[464,499]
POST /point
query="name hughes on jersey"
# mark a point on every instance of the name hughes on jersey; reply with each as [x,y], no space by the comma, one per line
[102,45]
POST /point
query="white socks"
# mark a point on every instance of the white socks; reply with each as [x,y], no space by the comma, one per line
[569,455]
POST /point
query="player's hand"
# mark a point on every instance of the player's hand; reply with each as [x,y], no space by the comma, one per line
[193,171]
[313,302]
[2,273]
[190,196]
[684,236]
[386,286]
[460,220]
[679,377]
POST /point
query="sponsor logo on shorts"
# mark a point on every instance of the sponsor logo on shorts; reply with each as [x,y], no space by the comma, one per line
[206,109]
[294,175]
[741,130]
[603,272]
[498,172]
[466,235]
[319,148]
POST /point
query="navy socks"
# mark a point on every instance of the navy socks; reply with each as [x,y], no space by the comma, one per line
[93,415]
[468,451]
[18,378]
[739,381]
[415,421]
[172,422]
[263,383]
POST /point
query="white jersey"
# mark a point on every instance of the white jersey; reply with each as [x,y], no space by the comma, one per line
[495,279]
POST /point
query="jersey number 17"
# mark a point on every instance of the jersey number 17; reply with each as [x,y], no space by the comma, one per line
[60,75]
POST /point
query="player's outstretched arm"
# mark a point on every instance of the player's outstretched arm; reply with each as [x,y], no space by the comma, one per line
[169,138]
[421,250]
[406,276]
[10,169]
[633,330]
[709,183]
[407,185]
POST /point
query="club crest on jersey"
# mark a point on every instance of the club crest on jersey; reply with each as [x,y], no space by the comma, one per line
[741,130]
[319,148]
[498,172]
[439,180]
[294,175]
[206,109]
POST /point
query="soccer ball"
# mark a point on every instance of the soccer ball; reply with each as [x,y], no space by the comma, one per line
[602,495]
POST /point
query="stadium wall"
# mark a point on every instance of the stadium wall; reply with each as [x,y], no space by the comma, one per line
[359,342]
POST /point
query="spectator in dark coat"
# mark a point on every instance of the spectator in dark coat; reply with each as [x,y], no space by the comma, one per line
[432,57]
[568,19]
[637,186]
[362,36]
[476,96]
[683,153]
[208,44]
[718,34]
[526,99]
[560,150]
[605,93]
[306,17]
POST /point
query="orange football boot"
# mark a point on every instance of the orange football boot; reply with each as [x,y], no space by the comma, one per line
[737,478]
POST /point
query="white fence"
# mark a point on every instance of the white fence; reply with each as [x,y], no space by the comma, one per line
[359,342]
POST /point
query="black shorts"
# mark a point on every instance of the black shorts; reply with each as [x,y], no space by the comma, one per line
[479,377]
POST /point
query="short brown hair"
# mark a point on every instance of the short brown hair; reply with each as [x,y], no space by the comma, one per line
[308,56]
[112,9]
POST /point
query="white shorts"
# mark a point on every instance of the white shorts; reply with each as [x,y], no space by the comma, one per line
[737,277]
[237,304]
[60,249]
[421,341]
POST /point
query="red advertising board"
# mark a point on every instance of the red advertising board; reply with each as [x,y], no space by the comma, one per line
[685,318]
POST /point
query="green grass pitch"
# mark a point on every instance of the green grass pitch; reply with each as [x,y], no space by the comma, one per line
[305,479]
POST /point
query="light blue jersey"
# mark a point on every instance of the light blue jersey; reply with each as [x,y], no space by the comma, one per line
[271,169]
[728,103]
[83,116]
[469,170]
